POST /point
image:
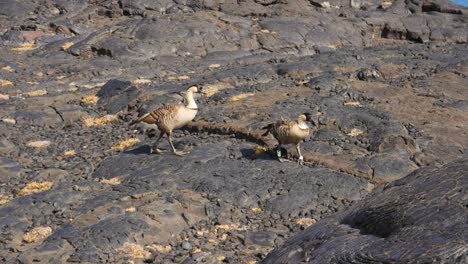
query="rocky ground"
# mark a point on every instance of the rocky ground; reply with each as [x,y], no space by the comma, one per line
[385,81]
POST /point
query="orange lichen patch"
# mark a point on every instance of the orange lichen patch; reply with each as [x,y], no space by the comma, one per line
[9,120]
[24,47]
[111,181]
[8,69]
[35,187]
[355,132]
[5,83]
[125,144]
[352,103]
[256,210]
[90,99]
[211,89]
[4,97]
[141,81]
[306,221]
[36,93]
[134,251]
[162,249]
[69,153]
[37,234]
[130,210]
[39,144]
[240,97]
[67,45]
[100,121]
[345,68]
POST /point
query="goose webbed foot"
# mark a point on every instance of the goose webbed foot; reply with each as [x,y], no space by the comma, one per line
[301,160]
[181,153]
[157,151]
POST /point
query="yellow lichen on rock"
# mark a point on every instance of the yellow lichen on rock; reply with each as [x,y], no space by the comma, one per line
[352,103]
[140,81]
[240,97]
[259,150]
[306,221]
[37,234]
[4,201]
[9,120]
[183,77]
[8,69]
[133,251]
[35,187]
[89,86]
[67,45]
[161,249]
[256,210]
[211,89]
[100,121]
[39,144]
[36,93]
[112,181]
[214,66]
[355,132]
[69,153]
[5,83]
[90,99]
[130,210]
[24,47]
[125,144]
[196,250]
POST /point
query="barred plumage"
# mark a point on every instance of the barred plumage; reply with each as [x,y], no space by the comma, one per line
[170,117]
[290,132]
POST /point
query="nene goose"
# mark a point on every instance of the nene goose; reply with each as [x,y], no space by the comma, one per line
[170,117]
[290,132]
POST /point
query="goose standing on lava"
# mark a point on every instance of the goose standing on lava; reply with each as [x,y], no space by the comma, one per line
[290,132]
[170,117]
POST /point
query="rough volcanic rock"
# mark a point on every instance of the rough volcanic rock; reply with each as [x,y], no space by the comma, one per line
[420,218]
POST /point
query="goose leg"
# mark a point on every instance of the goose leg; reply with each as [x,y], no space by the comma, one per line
[301,158]
[155,146]
[178,153]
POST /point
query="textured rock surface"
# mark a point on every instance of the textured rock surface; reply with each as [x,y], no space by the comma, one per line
[385,81]
[407,221]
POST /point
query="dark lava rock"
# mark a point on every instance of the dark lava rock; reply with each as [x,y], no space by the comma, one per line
[420,218]
[259,238]
[115,95]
